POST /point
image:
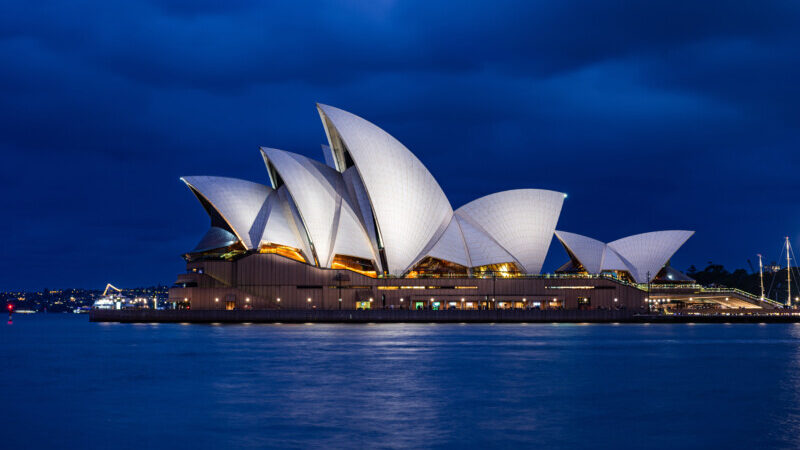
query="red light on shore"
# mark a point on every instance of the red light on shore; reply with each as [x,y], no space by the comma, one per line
[10,307]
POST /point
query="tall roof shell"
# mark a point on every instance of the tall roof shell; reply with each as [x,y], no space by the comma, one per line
[321,197]
[521,221]
[238,202]
[330,158]
[409,206]
[358,193]
[648,252]
[589,252]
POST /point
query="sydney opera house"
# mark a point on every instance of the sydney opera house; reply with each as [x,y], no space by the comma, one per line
[371,228]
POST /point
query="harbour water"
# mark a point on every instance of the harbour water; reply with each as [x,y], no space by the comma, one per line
[65,382]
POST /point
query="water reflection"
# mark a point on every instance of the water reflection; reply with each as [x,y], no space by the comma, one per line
[402,385]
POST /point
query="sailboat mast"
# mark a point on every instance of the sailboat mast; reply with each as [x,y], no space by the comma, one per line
[788,276]
[761,275]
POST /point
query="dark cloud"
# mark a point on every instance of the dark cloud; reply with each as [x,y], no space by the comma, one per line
[649,114]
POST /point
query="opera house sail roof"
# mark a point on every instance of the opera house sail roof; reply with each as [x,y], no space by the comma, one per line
[642,256]
[408,205]
[374,208]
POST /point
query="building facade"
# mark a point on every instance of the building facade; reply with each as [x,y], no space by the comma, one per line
[371,228]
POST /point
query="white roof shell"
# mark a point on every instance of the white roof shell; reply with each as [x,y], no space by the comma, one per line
[409,206]
[520,221]
[358,193]
[639,254]
[451,246]
[239,202]
[321,197]
[214,238]
[613,261]
[482,249]
[280,226]
[648,252]
[588,251]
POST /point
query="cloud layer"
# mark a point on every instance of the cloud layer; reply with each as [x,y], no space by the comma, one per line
[651,115]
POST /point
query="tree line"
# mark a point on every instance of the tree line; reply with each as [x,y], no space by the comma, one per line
[715,275]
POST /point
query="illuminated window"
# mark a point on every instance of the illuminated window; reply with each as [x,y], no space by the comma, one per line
[363,305]
[283,250]
[354,264]
[430,267]
[623,275]
[225,253]
[503,270]
[570,287]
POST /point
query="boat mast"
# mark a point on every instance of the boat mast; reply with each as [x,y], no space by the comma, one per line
[788,276]
[761,275]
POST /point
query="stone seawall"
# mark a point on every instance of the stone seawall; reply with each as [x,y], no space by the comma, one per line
[429,316]
[360,316]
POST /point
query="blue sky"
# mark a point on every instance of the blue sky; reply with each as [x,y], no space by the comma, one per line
[650,115]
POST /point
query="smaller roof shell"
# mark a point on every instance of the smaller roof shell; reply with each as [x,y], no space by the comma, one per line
[324,205]
[642,255]
[589,252]
[237,201]
[520,221]
[649,252]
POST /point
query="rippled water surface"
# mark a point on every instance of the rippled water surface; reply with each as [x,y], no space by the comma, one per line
[65,382]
